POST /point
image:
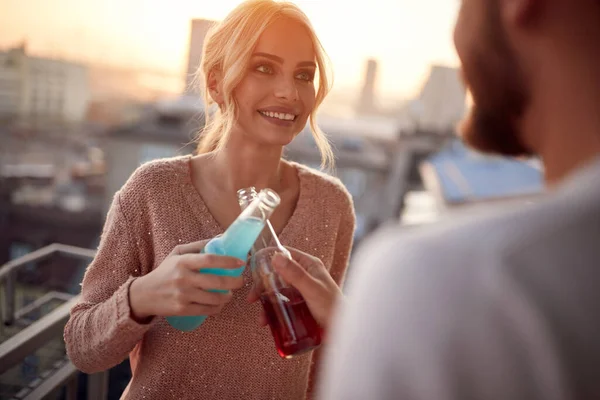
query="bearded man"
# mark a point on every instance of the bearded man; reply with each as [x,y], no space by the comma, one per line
[505,306]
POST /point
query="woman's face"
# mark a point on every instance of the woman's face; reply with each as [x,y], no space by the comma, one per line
[277,94]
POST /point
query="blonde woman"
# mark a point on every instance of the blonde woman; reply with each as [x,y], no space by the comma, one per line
[258,70]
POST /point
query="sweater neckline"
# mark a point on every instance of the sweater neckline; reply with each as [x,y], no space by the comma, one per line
[209,222]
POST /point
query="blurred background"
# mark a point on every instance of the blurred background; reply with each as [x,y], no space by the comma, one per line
[90,90]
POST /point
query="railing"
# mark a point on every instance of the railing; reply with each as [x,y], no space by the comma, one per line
[40,332]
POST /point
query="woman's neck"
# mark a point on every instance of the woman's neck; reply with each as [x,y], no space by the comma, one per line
[241,166]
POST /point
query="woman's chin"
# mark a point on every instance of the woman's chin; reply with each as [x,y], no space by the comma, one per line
[280,140]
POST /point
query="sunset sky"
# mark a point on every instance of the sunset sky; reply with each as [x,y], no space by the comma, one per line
[406,36]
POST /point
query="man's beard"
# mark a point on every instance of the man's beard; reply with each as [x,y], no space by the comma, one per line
[499,92]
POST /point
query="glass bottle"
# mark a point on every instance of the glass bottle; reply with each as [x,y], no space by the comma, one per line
[293,327]
[236,241]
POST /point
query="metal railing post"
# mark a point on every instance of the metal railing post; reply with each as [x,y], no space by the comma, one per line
[71,389]
[97,386]
[8,315]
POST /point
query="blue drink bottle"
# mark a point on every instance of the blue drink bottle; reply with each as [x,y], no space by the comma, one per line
[235,242]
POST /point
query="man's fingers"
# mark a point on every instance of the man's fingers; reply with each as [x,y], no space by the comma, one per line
[294,274]
[262,319]
[254,294]
[304,259]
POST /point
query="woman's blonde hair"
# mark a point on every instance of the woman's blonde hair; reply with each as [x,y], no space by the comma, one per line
[228,47]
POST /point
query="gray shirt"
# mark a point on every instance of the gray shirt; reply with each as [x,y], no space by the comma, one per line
[501,307]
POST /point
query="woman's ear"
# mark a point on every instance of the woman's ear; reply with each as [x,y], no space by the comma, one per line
[215,87]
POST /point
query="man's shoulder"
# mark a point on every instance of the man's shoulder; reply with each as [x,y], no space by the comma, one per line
[517,254]
[451,242]
[490,238]
[478,294]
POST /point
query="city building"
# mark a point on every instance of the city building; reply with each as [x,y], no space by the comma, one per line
[35,88]
[367,103]
[361,164]
[166,129]
[379,168]
[41,204]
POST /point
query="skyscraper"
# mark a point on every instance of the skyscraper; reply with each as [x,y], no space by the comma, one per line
[199,29]
[366,103]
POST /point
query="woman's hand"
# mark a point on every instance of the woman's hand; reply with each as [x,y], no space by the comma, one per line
[177,288]
[309,276]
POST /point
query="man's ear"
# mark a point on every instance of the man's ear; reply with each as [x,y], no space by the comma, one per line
[215,87]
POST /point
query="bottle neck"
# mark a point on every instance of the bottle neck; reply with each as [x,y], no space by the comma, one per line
[241,235]
[262,205]
[246,196]
[267,237]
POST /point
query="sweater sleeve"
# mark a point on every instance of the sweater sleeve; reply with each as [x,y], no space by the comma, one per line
[100,332]
[341,258]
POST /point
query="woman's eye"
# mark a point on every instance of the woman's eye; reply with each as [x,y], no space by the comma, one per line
[305,76]
[265,69]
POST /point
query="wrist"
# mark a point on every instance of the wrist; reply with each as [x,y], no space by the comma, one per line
[137,294]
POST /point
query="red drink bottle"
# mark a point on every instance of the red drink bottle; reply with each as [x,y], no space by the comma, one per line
[294,329]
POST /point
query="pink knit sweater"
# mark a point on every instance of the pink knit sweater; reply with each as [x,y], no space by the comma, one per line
[230,356]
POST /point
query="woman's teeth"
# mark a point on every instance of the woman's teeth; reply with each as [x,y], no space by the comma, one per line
[283,116]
